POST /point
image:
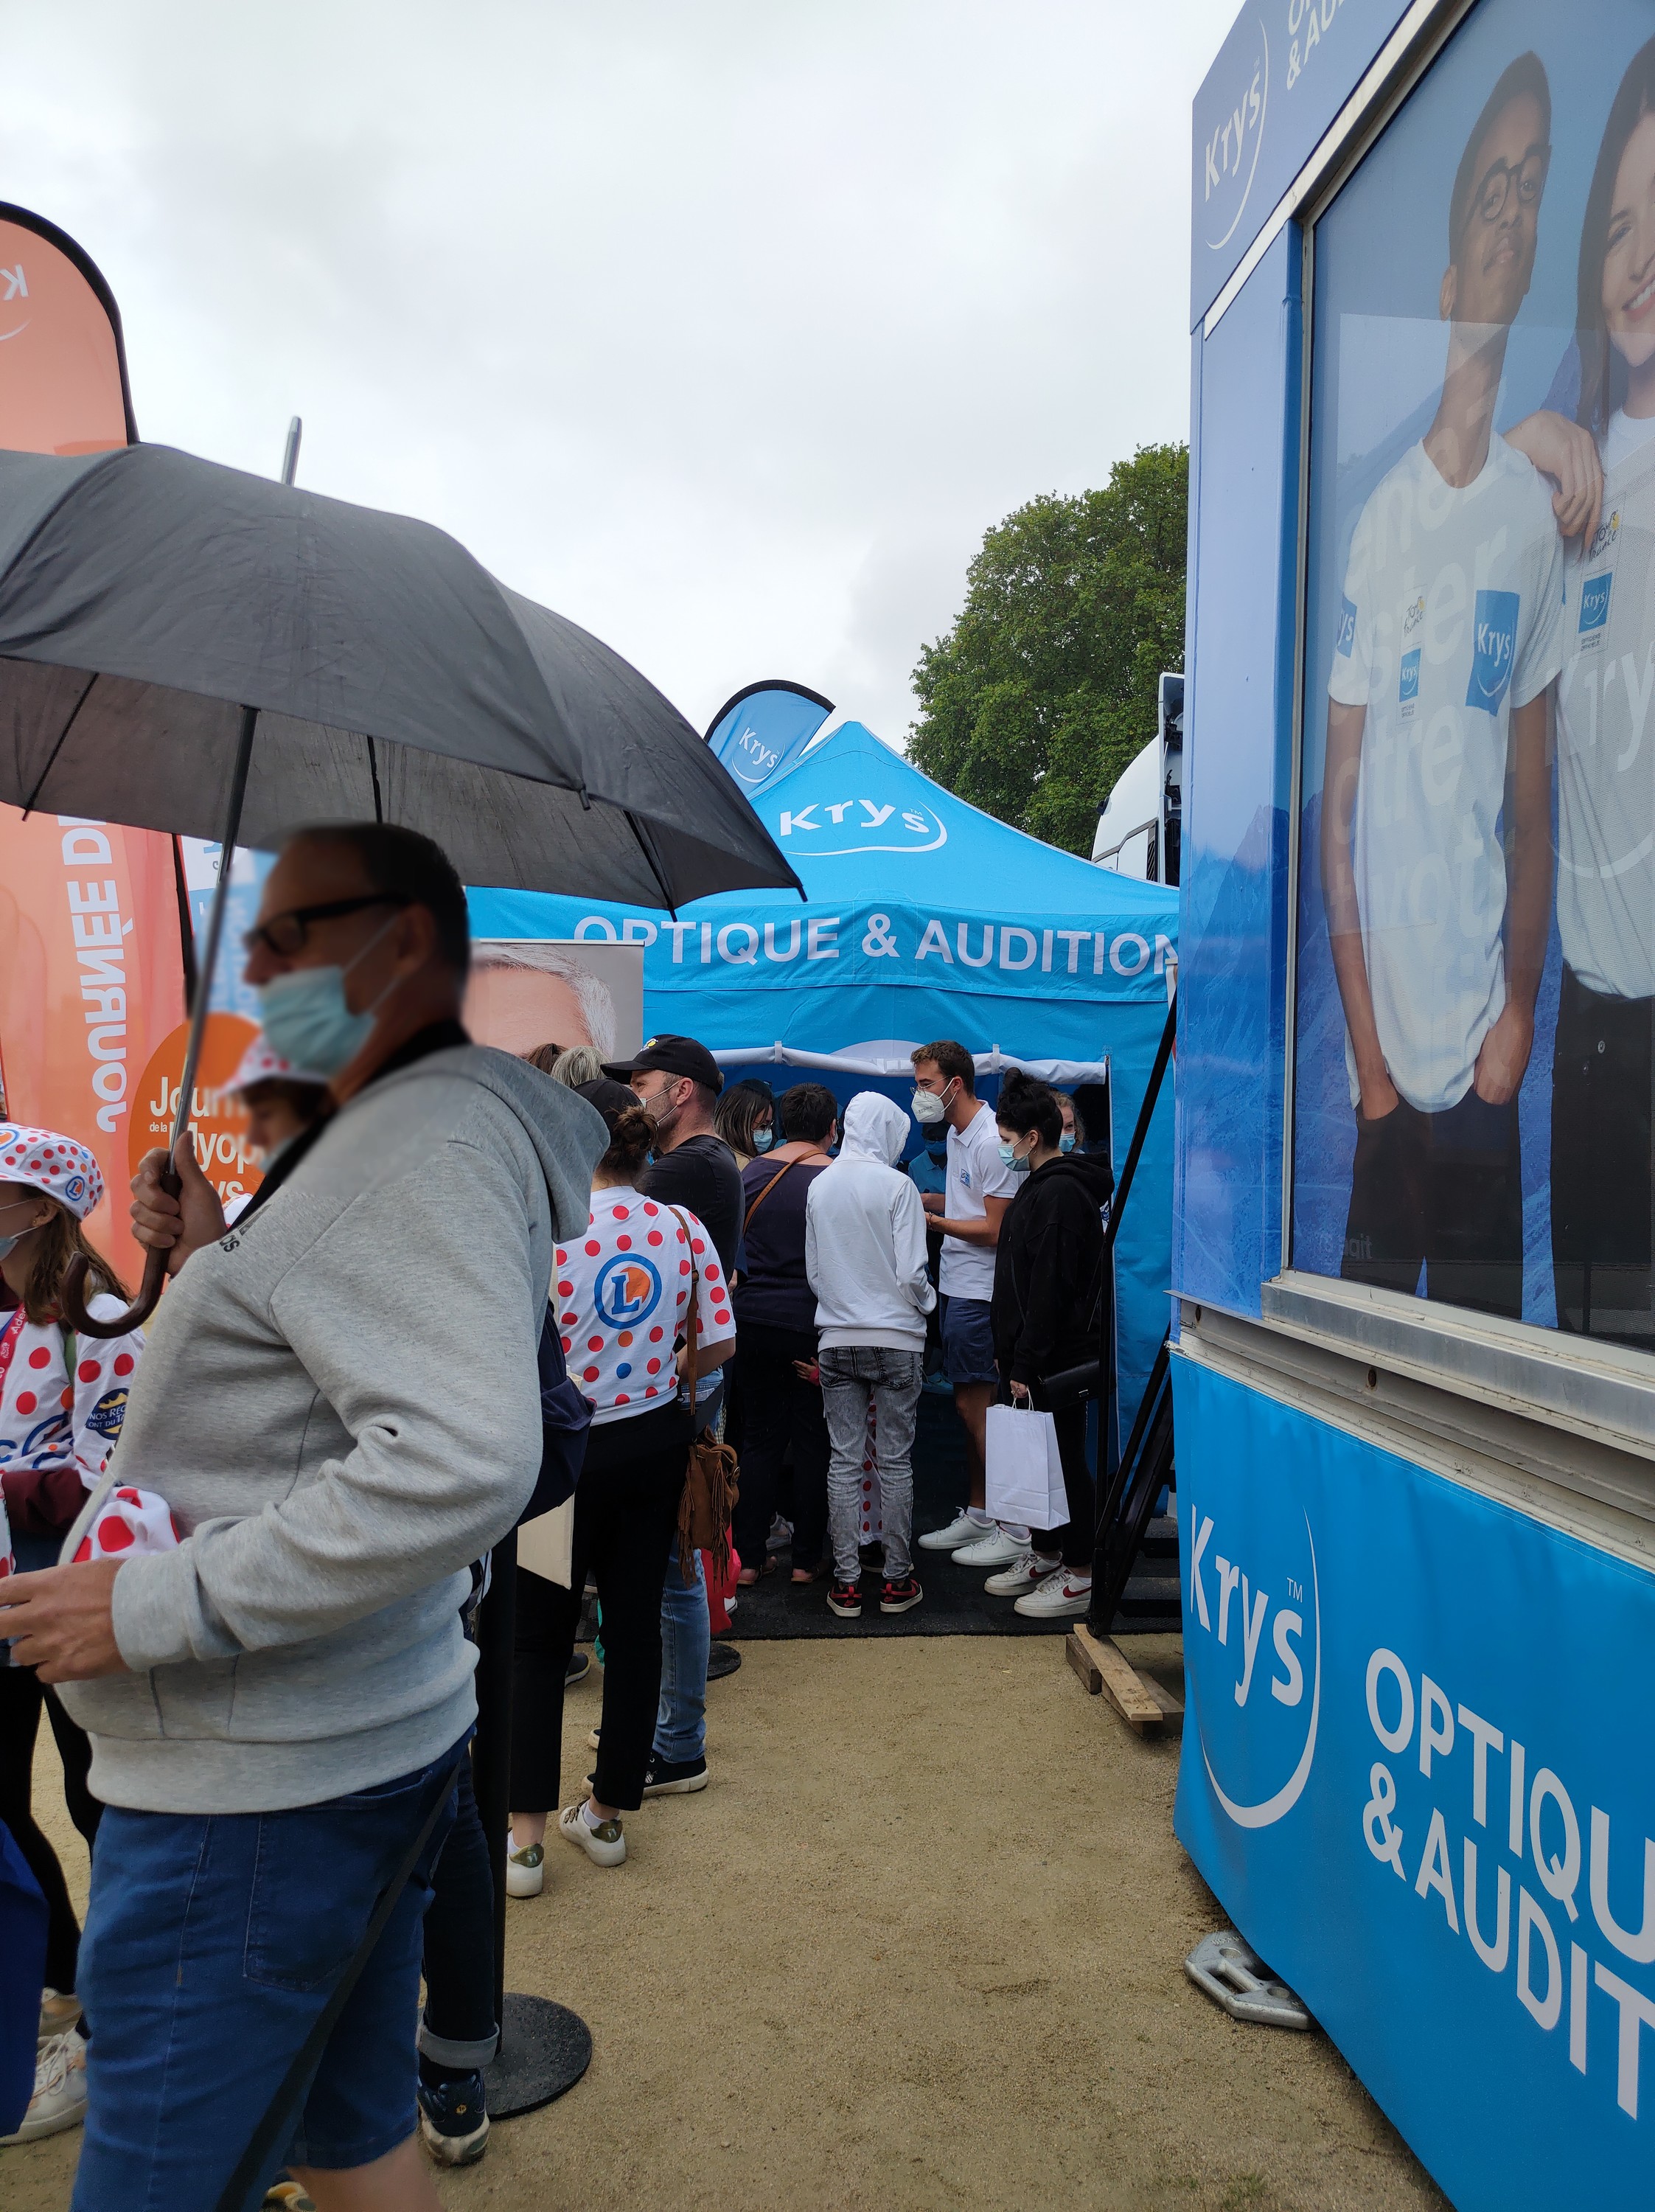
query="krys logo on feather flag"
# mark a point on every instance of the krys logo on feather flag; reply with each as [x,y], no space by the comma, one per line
[1263,1613]
[828,829]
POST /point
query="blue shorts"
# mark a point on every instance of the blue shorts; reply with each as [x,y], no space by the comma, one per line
[967,1342]
[212,1942]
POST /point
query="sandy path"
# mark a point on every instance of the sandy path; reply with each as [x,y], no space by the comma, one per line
[918,1945]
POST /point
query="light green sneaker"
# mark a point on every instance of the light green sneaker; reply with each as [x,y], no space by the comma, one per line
[525,1870]
[604,1843]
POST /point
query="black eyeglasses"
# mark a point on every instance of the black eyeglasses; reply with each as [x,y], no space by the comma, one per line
[284,934]
[1529,175]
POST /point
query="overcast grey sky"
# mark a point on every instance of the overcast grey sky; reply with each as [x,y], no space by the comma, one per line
[724,329]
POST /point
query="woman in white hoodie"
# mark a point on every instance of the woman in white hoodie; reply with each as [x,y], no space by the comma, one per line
[864,1257]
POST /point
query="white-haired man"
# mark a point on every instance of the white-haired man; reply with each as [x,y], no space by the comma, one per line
[524,994]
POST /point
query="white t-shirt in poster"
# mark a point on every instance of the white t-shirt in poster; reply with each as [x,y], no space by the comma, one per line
[1452,615]
[975,1172]
[1605,737]
[621,1297]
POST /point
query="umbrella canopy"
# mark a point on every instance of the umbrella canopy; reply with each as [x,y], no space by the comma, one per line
[146,597]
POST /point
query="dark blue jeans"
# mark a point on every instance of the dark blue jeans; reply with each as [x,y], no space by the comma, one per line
[213,1940]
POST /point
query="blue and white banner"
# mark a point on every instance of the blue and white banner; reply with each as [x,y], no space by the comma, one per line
[761,734]
[1415,1770]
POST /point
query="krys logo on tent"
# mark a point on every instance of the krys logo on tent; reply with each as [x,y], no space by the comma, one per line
[830,830]
[1255,1606]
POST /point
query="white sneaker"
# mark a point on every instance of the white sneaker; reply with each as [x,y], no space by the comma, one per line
[526,1871]
[57,2012]
[604,1843]
[1064,1592]
[59,2098]
[962,1529]
[1026,1572]
[996,1549]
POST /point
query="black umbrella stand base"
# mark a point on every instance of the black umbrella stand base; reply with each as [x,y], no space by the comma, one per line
[544,2048]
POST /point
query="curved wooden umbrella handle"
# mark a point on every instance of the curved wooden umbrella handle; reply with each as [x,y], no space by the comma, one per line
[73,1295]
[73,1299]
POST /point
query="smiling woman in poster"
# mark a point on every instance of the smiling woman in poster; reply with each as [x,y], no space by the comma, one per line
[1603,1071]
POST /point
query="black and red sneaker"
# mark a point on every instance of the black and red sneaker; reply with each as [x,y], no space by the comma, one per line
[845,1598]
[900,1597]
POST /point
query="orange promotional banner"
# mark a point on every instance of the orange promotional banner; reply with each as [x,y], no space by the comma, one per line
[218,1121]
[91,982]
[91,952]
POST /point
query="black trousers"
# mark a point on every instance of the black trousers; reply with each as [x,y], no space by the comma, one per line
[22,1695]
[626,1516]
[779,1408]
[1603,1190]
[1078,1537]
[1444,1192]
[459,1948]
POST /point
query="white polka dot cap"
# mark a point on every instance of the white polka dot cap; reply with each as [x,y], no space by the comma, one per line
[49,1162]
[260,1063]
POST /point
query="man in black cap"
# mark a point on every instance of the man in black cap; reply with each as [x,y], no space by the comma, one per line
[678,1081]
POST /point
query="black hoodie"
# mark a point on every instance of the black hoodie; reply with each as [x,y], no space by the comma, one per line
[1045,1268]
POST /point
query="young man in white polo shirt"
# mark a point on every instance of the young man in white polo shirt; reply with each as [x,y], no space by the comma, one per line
[1436,845]
[978,1188]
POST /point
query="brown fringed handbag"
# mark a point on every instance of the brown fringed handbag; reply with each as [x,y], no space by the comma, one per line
[711,1480]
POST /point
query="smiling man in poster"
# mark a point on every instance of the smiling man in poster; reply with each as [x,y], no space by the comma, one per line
[1450,639]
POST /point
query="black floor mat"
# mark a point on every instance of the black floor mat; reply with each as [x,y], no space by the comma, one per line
[955,1603]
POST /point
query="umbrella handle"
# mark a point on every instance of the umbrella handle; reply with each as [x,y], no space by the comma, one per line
[72,1299]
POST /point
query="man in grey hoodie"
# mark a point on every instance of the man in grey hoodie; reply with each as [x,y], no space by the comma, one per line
[339,1402]
[864,1257]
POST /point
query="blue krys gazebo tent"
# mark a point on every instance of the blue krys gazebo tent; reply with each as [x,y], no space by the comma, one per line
[924,919]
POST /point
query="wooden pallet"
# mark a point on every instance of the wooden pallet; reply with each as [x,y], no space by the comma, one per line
[1102,1665]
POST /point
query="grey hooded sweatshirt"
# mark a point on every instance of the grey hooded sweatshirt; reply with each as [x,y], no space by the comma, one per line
[864,1236]
[340,1403]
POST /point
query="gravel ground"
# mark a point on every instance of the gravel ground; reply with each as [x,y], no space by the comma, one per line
[920,1945]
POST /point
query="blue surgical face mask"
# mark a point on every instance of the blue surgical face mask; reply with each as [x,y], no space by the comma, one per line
[307,1019]
[763,1139]
[1066,1142]
[1008,1153]
[9,1243]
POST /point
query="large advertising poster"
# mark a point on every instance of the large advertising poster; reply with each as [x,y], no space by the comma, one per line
[91,963]
[528,992]
[1475,1077]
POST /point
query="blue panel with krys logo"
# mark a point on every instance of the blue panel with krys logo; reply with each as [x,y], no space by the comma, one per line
[764,731]
[1390,1780]
[1283,75]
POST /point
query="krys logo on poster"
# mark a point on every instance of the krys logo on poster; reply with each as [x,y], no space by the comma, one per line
[1256,1667]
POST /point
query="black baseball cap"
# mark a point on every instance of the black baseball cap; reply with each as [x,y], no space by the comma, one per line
[671,1055]
[611,1099]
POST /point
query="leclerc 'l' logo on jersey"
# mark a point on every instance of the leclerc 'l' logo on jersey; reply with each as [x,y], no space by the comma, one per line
[1493,649]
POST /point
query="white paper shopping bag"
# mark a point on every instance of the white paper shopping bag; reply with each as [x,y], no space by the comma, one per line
[546,1544]
[1024,1471]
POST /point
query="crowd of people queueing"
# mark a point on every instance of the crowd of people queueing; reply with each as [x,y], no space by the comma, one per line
[257,1665]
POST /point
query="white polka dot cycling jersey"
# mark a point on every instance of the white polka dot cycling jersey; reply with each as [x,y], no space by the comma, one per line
[48,1419]
[621,1298]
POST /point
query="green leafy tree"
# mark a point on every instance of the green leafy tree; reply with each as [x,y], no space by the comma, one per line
[1044,688]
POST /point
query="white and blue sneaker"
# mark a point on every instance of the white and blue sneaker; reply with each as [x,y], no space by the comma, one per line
[454,2120]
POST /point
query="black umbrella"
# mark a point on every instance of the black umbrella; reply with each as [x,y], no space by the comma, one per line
[154,609]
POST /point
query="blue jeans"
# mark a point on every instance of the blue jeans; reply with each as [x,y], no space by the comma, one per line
[213,1940]
[685,1639]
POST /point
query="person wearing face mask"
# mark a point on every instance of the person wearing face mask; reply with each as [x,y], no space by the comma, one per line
[1071,1128]
[62,1404]
[978,1188]
[340,1403]
[745,1117]
[1047,1278]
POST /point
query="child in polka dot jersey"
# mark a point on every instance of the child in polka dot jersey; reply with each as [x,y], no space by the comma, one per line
[62,1402]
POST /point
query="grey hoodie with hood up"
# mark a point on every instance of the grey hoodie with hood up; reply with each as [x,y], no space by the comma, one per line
[864,1236]
[340,1403]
